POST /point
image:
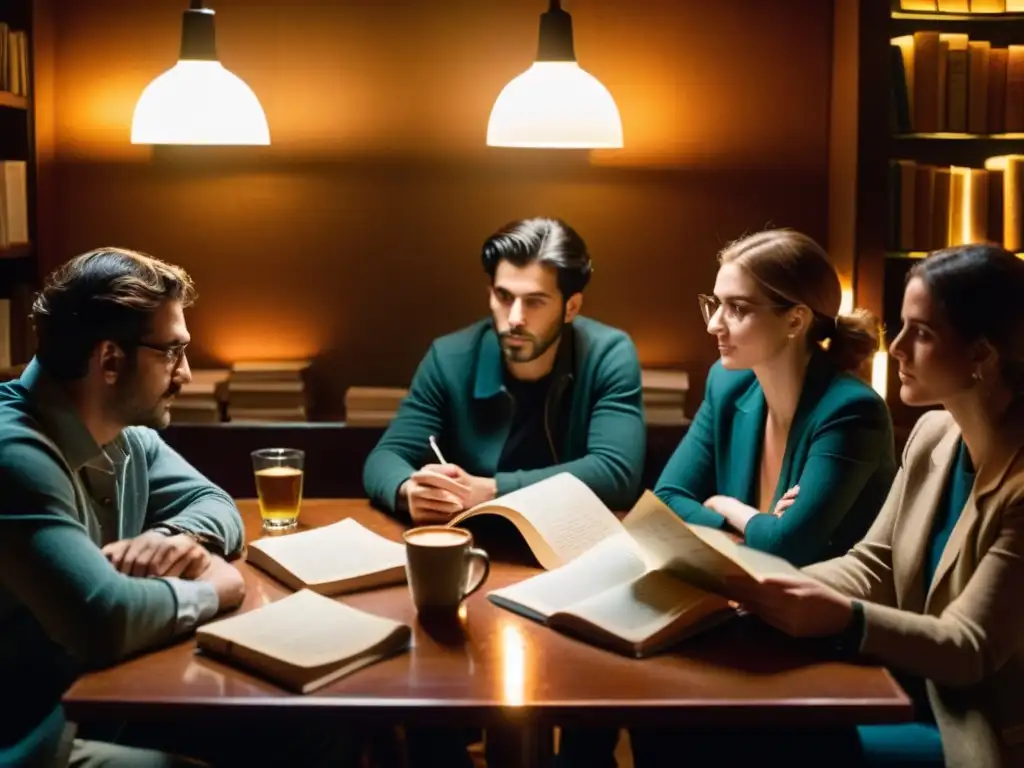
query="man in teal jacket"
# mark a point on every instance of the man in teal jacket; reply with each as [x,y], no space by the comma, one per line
[532,392]
[110,542]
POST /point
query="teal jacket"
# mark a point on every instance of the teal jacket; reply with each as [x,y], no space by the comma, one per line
[593,414]
[840,452]
[63,607]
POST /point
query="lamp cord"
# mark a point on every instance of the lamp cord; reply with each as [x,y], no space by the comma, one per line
[196,5]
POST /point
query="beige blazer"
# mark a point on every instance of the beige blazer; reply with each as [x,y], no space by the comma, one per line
[966,635]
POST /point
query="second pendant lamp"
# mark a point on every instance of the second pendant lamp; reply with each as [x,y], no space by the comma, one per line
[555,103]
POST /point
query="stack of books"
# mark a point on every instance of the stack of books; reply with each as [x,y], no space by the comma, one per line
[273,390]
[665,395]
[372,406]
[201,401]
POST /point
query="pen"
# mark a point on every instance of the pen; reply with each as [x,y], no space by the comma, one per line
[437,451]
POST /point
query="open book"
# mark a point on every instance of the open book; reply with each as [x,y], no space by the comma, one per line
[303,641]
[635,586]
[337,558]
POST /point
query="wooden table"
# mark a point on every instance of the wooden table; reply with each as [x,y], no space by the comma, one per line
[494,667]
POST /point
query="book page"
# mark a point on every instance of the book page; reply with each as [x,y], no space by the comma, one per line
[669,544]
[756,563]
[560,518]
[333,552]
[638,610]
[702,555]
[614,561]
[304,630]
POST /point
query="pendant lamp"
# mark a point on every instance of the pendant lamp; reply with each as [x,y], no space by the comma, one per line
[555,103]
[198,101]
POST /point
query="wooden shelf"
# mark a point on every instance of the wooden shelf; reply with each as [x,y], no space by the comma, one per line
[1001,29]
[11,101]
[951,136]
[20,251]
[971,18]
[902,255]
[955,148]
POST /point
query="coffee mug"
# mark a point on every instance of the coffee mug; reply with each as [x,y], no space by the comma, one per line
[438,565]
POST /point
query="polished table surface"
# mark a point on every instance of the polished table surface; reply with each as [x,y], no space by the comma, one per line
[493,666]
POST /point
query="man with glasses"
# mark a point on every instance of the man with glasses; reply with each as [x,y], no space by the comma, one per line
[110,542]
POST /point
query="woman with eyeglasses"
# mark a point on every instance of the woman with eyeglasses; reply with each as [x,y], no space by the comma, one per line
[789,450]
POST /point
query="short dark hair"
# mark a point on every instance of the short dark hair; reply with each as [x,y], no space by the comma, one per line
[549,241]
[979,288]
[109,294]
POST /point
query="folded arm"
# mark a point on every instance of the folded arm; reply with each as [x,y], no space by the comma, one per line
[843,456]
[49,564]
[181,498]
[865,572]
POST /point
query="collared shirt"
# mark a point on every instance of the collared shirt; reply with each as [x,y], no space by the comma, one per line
[63,607]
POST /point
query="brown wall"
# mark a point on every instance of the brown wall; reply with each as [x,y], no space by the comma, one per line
[354,237]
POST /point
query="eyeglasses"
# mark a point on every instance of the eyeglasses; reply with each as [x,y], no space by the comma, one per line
[733,311]
[173,353]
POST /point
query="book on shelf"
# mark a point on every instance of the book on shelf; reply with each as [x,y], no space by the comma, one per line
[949,82]
[201,400]
[14,50]
[962,6]
[372,406]
[637,586]
[13,203]
[664,395]
[331,560]
[303,641]
[268,391]
[932,207]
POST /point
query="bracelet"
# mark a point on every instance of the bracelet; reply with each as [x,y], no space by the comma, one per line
[847,643]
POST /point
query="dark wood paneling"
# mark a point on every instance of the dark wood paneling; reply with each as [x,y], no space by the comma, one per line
[334,453]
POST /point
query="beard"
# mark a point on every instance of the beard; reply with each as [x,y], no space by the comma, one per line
[136,408]
[532,346]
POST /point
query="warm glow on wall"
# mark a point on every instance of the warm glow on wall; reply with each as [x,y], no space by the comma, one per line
[198,101]
[846,302]
[880,372]
[261,339]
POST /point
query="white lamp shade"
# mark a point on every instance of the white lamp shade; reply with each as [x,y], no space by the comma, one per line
[199,102]
[558,105]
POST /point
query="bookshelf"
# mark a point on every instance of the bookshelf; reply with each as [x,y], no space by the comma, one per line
[18,260]
[865,193]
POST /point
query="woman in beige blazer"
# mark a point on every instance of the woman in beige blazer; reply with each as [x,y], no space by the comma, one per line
[935,591]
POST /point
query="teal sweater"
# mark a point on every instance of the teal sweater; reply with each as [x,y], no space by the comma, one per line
[840,451]
[63,607]
[593,415]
